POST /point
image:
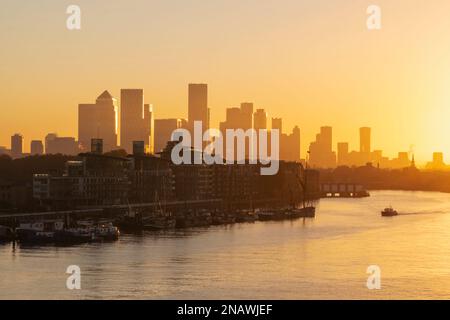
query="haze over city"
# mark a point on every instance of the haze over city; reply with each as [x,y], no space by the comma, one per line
[394,80]
[226,149]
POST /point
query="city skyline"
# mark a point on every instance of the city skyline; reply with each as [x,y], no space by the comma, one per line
[235,151]
[388,79]
[137,123]
[260,114]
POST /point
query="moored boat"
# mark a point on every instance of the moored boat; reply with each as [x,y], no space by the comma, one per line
[106,231]
[73,236]
[159,223]
[222,218]
[39,232]
[266,215]
[305,212]
[102,230]
[272,214]
[246,216]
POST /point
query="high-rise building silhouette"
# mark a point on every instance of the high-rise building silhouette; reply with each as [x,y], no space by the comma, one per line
[237,118]
[326,138]
[100,121]
[289,143]
[16,145]
[163,131]
[135,119]
[36,147]
[260,119]
[342,153]
[321,153]
[48,138]
[198,105]
[277,123]
[364,140]
[247,115]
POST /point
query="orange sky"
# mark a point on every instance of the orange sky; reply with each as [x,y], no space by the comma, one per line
[312,63]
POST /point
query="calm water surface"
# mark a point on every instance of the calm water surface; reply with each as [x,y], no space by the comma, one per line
[324,258]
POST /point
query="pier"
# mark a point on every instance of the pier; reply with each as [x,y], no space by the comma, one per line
[113,211]
[110,210]
[343,190]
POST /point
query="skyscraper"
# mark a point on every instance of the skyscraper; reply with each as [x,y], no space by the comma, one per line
[321,153]
[277,123]
[260,123]
[326,136]
[289,143]
[237,118]
[135,119]
[163,131]
[364,139]
[260,119]
[247,115]
[16,145]
[48,139]
[99,121]
[198,105]
[294,146]
[36,147]
[342,153]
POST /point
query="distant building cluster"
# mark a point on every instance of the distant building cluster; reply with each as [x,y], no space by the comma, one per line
[132,123]
[321,154]
[121,125]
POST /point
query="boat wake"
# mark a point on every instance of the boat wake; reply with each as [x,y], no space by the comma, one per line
[421,212]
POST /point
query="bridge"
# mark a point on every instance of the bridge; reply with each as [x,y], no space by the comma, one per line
[343,190]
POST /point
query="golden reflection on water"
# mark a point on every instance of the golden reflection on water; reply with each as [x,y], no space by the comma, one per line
[324,258]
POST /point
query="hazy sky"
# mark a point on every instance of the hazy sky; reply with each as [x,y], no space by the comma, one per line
[312,63]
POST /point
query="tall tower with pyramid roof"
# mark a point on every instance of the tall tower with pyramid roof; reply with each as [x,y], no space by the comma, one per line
[98,121]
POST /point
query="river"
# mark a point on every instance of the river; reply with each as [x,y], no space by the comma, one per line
[322,258]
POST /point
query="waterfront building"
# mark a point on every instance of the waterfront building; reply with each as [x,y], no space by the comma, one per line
[94,180]
[151,179]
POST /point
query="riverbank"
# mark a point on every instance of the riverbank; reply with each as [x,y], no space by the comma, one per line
[69,231]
